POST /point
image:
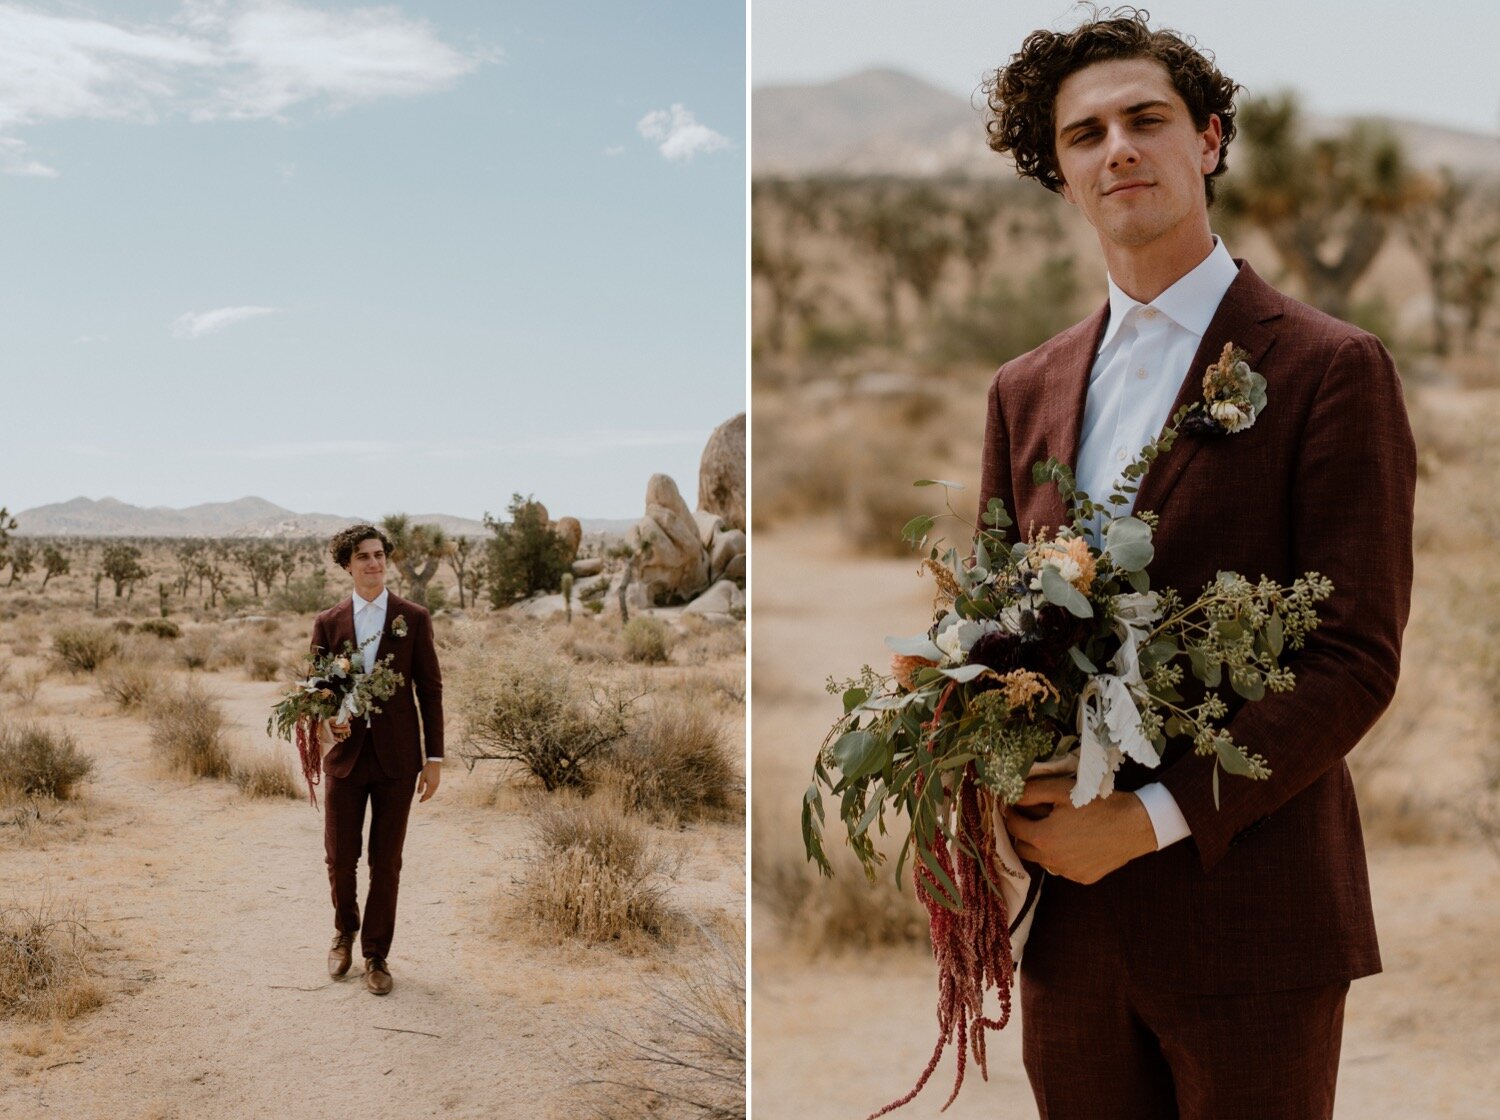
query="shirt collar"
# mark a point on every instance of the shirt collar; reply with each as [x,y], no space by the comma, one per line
[1190,302]
[379,602]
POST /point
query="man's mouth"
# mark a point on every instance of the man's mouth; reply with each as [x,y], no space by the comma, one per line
[1128,186]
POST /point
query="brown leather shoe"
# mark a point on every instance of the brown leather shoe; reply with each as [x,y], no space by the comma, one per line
[377,975]
[341,955]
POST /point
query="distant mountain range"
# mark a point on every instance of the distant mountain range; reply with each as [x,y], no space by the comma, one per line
[247,517]
[887,122]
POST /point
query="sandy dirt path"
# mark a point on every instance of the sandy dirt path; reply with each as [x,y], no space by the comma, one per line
[837,1035]
[214,918]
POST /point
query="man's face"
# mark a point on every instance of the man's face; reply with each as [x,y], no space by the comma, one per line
[1129,154]
[367,566]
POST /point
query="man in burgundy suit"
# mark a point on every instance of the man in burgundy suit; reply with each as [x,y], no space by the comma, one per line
[380,764]
[1187,959]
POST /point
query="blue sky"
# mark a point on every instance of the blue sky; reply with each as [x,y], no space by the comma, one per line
[355,258]
[1430,62]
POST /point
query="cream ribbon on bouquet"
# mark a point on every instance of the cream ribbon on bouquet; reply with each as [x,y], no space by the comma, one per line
[1109,731]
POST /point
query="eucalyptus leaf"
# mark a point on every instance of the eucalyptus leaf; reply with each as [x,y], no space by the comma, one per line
[1275,633]
[859,753]
[918,527]
[963,674]
[1063,594]
[1250,686]
[938,482]
[1082,661]
[853,698]
[1232,758]
[919,646]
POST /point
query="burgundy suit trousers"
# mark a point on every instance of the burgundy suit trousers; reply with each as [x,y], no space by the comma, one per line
[344,802]
[1098,1045]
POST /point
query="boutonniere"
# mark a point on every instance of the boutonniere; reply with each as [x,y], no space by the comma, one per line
[398,627]
[1234,395]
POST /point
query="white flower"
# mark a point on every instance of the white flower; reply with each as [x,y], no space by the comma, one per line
[957,636]
[1235,418]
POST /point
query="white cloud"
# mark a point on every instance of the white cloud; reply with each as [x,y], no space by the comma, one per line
[615,150]
[215,60]
[196,324]
[677,134]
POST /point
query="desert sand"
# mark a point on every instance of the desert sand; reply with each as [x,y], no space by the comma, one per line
[212,920]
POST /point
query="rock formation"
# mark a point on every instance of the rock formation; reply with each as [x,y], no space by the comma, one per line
[672,564]
[721,473]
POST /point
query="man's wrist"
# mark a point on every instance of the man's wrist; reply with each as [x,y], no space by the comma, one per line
[1167,821]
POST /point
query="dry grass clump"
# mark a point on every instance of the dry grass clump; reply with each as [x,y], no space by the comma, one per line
[846,912]
[266,776]
[592,639]
[264,665]
[188,729]
[36,761]
[529,705]
[647,640]
[674,765]
[687,1058]
[127,685]
[197,648]
[163,628]
[707,641]
[44,972]
[594,874]
[82,649]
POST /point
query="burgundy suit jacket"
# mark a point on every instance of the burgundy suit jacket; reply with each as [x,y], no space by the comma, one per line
[1271,892]
[395,734]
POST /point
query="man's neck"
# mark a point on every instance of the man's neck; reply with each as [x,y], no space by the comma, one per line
[370,598]
[1143,272]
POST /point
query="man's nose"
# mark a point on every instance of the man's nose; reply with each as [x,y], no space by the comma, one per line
[1122,151]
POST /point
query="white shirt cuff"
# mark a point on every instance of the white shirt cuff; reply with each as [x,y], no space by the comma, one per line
[431,759]
[1167,820]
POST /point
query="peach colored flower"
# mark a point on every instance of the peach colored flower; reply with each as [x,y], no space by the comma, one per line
[904,668]
[1072,559]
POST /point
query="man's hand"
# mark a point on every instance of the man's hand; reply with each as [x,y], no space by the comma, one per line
[427,784]
[340,730]
[1079,844]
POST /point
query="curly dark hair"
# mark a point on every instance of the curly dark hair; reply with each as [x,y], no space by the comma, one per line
[1023,93]
[343,543]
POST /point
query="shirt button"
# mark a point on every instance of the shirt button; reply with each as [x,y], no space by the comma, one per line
[1149,313]
[1141,374]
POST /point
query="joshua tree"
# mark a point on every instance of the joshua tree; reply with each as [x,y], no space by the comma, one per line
[417,551]
[460,552]
[22,560]
[7,523]
[1327,204]
[121,565]
[262,561]
[54,563]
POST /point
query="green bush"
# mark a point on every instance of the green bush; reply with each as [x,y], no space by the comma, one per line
[41,763]
[82,649]
[303,596]
[647,640]
[161,627]
[524,556]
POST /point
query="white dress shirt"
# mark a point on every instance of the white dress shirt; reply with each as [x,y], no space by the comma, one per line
[1142,360]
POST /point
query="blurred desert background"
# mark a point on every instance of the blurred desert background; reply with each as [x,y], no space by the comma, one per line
[571,937]
[896,263]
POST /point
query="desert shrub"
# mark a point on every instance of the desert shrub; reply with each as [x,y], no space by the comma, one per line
[26,685]
[122,626]
[591,641]
[39,762]
[197,648]
[594,874]
[82,649]
[845,912]
[647,640]
[44,972]
[187,730]
[303,596]
[529,705]
[266,775]
[160,627]
[127,685]
[674,764]
[687,1049]
[263,665]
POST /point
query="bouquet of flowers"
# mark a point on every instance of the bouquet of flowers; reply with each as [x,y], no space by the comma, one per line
[1049,654]
[333,686]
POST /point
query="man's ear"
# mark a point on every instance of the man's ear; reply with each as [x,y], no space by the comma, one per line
[1067,192]
[1213,137]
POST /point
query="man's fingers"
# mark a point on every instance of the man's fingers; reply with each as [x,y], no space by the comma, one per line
[1045,791]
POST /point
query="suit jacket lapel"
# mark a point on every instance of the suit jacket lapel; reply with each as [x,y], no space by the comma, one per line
[1062,411]
[344,626]
[1248,304]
